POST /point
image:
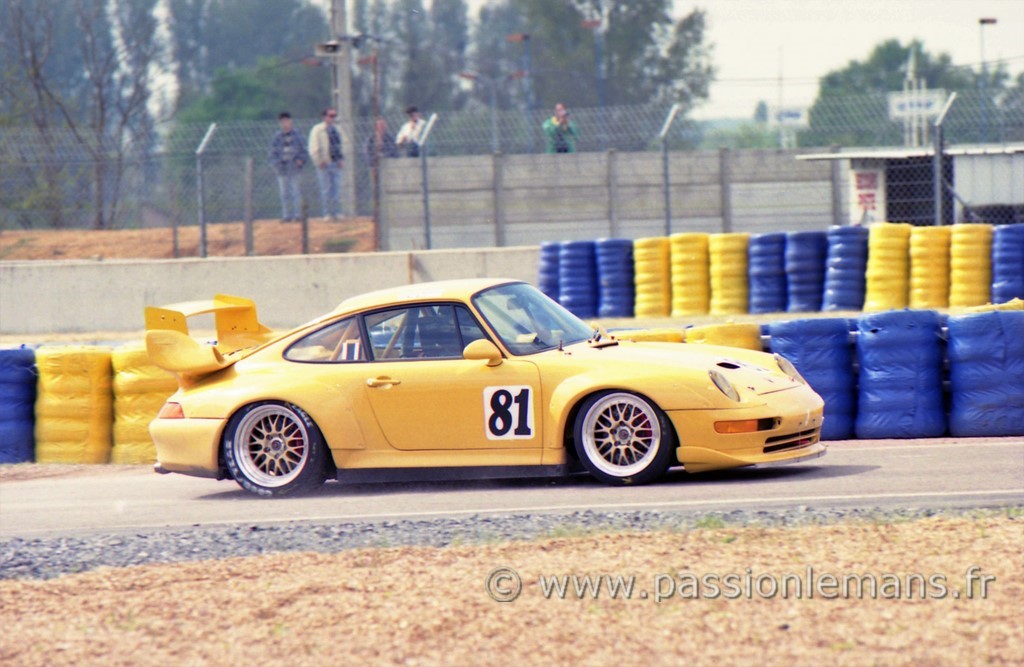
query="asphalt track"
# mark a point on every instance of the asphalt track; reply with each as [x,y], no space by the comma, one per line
[939,473]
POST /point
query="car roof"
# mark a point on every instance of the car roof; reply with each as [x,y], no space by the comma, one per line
[445,290]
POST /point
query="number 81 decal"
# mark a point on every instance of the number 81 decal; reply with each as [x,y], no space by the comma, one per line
[508,413]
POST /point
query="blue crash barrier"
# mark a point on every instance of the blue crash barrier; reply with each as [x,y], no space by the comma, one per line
[845,267]
[805,271]
[616,289]
[900,385]
[17,405]
[986,374]
[766,262]
[547,269]
[1008,263]
[577,278]
[822,350]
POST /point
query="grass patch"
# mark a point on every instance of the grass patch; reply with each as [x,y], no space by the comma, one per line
[343,244]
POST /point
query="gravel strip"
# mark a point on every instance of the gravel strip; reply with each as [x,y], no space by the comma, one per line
[46,558]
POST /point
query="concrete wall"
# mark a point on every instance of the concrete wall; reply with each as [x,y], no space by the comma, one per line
[87,296]
[485,200]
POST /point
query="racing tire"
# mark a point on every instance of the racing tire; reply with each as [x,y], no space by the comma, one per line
[275,449]
[623,438]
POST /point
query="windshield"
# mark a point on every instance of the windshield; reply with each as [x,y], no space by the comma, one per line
[526,321]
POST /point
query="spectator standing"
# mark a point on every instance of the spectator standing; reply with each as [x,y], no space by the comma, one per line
[287,156]
[410,134]
[325,150]
[380,143]
[560,132]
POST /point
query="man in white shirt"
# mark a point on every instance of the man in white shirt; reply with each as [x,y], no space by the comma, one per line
[325,151]
[411,133]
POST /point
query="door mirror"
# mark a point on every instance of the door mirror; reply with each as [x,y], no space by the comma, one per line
[483,350]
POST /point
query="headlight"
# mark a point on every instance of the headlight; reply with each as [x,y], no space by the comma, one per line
[724,386]
[787,367]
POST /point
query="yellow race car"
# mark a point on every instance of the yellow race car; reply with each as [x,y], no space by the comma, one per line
[459,379]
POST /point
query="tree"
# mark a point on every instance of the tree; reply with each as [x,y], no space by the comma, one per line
[851,107]
[103,105]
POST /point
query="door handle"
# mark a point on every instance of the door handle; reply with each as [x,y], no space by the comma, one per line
[382,381]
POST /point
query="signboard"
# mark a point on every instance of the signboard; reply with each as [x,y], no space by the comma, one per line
[867,196]
[789,117]
[921,103]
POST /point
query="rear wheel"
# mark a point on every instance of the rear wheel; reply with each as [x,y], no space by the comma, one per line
[274,449]
[622,438]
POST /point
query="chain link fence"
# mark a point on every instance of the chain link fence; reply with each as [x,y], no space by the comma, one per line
[56,179]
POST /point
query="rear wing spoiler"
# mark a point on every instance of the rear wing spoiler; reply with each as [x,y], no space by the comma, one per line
[170,347]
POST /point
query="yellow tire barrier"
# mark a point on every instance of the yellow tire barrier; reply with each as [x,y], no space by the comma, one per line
[1012,304]
[653,335]
[652,277]
[747,336]
[970,265]
[727,259]
[691,282]
[74,405]
[140,390]
[929,267]
[888,272]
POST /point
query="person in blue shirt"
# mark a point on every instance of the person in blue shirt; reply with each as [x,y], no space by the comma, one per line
[287,156]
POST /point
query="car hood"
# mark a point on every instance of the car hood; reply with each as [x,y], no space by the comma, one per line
[756,372]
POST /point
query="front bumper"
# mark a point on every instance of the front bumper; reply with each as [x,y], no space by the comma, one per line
[795,436]
[187,446]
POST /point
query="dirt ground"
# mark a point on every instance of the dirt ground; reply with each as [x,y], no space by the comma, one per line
[429,606]
[271,237]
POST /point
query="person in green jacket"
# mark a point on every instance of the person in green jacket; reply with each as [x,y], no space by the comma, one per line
[561,132]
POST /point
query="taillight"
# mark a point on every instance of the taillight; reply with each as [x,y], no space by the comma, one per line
[171,411]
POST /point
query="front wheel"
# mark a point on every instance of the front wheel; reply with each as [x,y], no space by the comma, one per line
[623,438]
[274,449]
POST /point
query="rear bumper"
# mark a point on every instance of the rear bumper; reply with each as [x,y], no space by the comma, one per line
[187,446]
[795,436]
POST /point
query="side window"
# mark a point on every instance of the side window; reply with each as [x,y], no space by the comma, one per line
[340,342]
[417,332]
[468,328]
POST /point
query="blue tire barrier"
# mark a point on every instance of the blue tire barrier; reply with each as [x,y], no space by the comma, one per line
[577,278]
[986,374]
[766,269]
[547,269]
[17,405]
[900,353]
[616,291]
[1008,263]
[845,267]
[822,350]
[805,271]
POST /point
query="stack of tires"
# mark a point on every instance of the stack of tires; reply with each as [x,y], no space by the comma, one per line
[805,271]
[766,258]
[140,389]
[986,373]
[653,277]
[845,268]
[547,270]
[17,405]
[747,336]
[929,267]
[74,406]
[900,383]
[888,269]
[577,278]
[822,351]
[727,259]
[970,265]
[1008,263]
[616,292]
[691,292]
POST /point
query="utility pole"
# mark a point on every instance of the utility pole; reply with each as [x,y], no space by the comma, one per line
[341,81]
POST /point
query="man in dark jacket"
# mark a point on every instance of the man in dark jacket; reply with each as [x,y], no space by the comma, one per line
[287,157]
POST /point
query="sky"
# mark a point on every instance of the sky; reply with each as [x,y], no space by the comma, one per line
[806,39]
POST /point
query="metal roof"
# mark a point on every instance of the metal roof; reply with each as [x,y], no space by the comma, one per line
[921,151]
